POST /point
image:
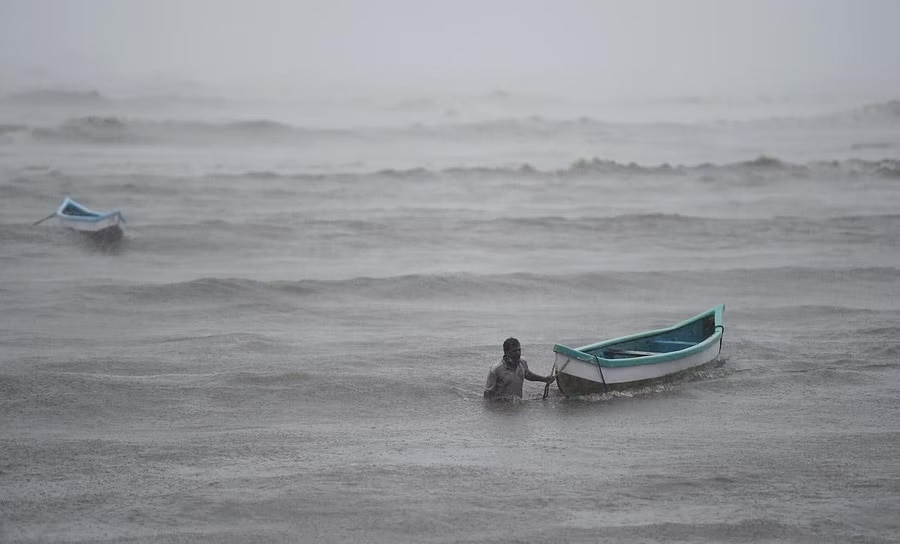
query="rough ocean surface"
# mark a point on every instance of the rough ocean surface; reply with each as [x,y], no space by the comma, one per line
[291,340]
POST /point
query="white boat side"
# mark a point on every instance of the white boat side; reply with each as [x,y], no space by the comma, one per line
[92,221]
[626,374]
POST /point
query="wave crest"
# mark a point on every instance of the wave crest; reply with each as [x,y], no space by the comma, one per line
[91,128]
[56,97]
[882,110]
[596,166]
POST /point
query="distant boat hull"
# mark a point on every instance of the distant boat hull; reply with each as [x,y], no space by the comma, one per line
[108,226]
[640,358]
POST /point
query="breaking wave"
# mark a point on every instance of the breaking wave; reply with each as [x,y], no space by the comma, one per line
[884,110]
[112,127]
[56,98]
[452,286]
[887,167]
[97,129]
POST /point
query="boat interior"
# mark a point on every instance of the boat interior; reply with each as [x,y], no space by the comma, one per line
[667,341]
[72,209]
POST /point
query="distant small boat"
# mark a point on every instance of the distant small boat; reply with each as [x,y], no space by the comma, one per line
[640,358]
[103,225]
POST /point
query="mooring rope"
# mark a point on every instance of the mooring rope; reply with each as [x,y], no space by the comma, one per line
[597,359]
[722,337]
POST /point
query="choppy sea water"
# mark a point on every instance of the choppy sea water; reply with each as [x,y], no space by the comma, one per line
[291,340]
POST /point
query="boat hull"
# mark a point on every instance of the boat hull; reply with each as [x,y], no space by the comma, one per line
[578,377]
[105,222]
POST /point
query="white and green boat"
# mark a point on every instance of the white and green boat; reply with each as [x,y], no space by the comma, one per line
[640,358]
[100,226]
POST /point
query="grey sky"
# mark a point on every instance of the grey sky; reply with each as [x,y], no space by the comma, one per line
[617,46]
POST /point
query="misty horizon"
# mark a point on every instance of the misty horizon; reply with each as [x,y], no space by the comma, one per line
[610,49]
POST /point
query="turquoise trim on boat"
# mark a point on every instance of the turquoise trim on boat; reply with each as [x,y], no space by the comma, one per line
[657,346]
[73,211]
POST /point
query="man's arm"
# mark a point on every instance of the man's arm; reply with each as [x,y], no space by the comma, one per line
[531,376]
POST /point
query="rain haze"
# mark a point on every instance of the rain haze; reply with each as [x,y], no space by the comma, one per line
[611,47]
[259,260]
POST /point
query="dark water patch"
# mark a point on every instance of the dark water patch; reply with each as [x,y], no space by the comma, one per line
[195,398]
[674,232]
[597,166]
[16,190]
[889,110]
[889,169]
[766,163]
[880,367]
[233,228]
[671,231]
[744,529]
[250,343]
[210,229]
[56,98]
[226,291]
[231,237]
[882,353]
[877,114]
[821,312]
[176,238]
[258,127]
[341,391]
[415,285]
[826,276]
[873,145]
[29,233]
[40,183]
[885,332]
[10,131]
[259,175]
[833,329]
[466,285]
[176,101]
[110,392]
[125,365]
[91,129]
[112,130]
[107,243]
[283,380]
[249,131]
[855,373]
[73,396]
[886,168]
[581,228]
[141,185]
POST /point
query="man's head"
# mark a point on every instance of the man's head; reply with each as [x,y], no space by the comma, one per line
[512,349]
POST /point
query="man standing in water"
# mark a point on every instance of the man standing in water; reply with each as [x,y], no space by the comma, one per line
[505,378]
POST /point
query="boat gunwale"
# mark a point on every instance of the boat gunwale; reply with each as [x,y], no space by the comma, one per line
[94,216]
[580,353]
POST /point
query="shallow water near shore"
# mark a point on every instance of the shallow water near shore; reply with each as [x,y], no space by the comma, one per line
[291,339]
